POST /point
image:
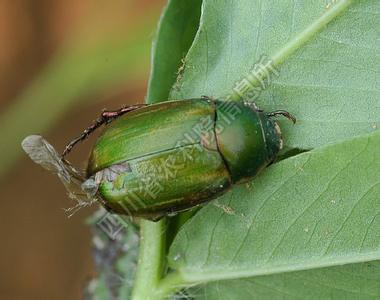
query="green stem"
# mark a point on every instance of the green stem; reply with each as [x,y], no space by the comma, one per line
[151,261]
[149,283]
[169,285]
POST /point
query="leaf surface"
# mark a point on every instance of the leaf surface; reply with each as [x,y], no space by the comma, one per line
[356,281]
[317,209]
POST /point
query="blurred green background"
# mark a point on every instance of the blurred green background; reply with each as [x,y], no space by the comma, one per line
[61,63]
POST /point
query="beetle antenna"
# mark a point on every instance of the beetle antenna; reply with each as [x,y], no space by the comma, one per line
[104,118]
[282,113]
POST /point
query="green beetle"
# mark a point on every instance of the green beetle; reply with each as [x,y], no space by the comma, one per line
[155,160]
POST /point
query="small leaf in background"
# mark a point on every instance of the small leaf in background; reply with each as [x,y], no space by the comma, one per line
[177,28]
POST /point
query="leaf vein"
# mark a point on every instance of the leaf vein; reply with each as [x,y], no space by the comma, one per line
[367,230]
[352,209]
[260,208]
[271,256]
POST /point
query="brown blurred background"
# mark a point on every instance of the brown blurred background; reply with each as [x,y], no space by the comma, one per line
[50,85]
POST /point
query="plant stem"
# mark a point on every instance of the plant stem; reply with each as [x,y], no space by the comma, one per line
[149,283]
[151,261]
[169,285]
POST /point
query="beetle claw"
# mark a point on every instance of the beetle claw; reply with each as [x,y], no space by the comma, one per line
[208,98]
[284,113]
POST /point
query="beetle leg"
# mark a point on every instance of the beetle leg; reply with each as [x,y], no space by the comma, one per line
[104,118]
[253,105]
[204,97]
[282,113]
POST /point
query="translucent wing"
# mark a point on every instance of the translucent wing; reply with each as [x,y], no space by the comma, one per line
[83,191]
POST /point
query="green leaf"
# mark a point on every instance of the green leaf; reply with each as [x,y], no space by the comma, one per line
[328,76]
[356,281]
[317,209]
[178,25]
[304,216]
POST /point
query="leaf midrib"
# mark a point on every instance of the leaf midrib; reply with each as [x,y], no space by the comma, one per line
[196,275]
[281,55]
